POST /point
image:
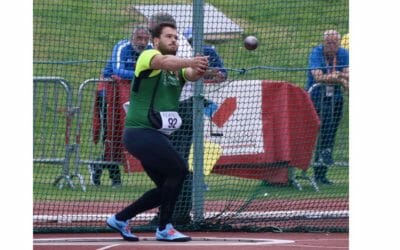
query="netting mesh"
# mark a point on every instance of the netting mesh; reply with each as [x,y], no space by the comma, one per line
[261,134]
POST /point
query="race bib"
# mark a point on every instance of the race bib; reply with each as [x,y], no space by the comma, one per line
[170,121]
[166,121]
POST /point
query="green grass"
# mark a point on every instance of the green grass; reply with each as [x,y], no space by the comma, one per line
[220,187]
[77,36]
[86,30]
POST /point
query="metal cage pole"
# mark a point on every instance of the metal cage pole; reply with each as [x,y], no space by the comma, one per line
[198,123]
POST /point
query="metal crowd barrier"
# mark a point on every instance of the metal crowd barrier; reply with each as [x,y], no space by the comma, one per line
[53,114]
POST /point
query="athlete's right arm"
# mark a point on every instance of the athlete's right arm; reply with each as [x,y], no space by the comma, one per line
[174,63]
[153,59]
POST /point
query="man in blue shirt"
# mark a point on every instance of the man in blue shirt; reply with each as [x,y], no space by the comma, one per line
[125,53]
[121,65]
[328,77]
[216,72]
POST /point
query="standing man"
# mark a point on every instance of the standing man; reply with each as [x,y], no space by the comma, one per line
[108,113]
[328,77]
[216,72]
[151,118]
[125,54]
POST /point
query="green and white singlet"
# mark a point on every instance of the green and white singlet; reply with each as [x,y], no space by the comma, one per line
[167,96]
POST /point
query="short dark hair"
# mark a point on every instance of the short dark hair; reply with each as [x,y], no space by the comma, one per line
[156,32]
[161,17]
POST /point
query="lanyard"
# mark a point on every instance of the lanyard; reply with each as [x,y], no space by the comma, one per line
[329,89]
[333,69]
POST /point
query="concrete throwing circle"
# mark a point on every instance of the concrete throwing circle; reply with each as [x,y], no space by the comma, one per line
[196,241]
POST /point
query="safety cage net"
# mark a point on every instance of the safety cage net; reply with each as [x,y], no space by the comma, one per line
[267,148]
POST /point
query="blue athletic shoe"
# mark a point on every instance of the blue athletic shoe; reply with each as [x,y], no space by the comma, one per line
[122,227]
[171,234]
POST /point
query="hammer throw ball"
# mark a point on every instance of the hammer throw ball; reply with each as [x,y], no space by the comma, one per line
[250,42]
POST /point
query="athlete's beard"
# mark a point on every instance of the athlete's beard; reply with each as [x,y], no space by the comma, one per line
[165,50]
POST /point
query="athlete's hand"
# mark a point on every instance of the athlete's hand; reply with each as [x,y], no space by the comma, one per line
[200,64]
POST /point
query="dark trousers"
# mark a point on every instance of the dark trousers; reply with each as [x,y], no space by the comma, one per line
[330,112]
[114,171]
[165,167]
[182,141]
